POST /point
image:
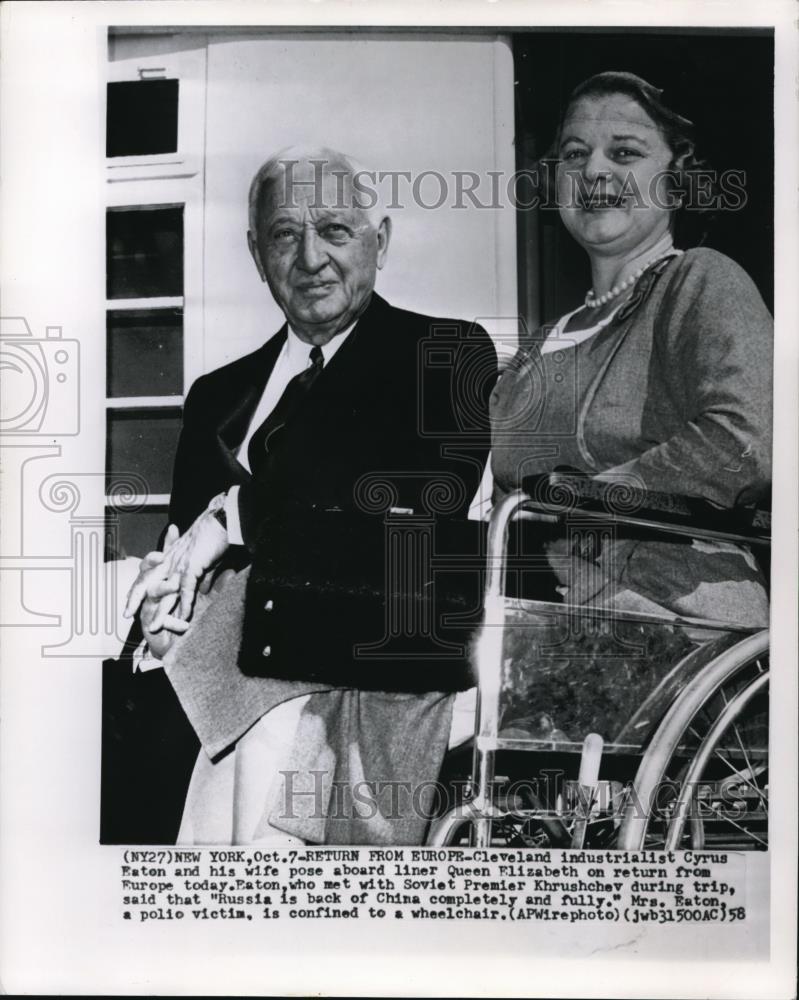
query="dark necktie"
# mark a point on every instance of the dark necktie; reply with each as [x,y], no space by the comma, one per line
[265,439]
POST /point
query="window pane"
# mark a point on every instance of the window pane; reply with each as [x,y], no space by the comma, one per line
[144,252]
[137,532]
[145,352]
[142,442]
[142,118]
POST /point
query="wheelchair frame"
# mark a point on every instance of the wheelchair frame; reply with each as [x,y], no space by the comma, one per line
[720,690]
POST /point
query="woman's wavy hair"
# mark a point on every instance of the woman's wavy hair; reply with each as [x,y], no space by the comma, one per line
[690,221]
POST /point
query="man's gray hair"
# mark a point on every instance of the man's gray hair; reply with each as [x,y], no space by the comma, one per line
[365,195]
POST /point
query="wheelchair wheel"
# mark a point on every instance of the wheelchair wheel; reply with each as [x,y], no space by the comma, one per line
[703,782]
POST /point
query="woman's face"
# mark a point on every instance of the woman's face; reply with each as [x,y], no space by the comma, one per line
[613,192]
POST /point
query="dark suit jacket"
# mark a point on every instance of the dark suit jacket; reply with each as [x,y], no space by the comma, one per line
[400,392]
[397,420]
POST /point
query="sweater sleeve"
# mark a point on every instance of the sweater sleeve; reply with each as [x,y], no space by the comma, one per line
[715,339]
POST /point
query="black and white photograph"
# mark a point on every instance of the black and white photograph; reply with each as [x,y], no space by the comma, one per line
[396,419]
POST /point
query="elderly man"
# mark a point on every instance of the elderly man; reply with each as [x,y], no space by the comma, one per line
[288,452]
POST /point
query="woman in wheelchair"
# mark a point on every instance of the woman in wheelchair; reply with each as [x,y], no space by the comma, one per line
[655,392]
[660,380]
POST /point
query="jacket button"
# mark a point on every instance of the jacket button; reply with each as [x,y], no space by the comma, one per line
[269,605]
[267,651]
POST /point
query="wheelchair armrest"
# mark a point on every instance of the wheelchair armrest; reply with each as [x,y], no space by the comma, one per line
[572,492]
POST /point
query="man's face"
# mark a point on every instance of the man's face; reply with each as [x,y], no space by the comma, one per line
[317,250]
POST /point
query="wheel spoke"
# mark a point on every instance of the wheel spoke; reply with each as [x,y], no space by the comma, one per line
[740,774]
[743,829]
[696,734]
[749,767]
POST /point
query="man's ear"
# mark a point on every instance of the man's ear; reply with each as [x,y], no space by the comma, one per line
[383,239]
[252,243]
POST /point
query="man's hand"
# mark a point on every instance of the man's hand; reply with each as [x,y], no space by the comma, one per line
[184,563]
[161,596]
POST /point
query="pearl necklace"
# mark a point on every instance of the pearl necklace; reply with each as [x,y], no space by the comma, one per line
[594,302]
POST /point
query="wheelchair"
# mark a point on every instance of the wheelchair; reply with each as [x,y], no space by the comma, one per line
[610,729]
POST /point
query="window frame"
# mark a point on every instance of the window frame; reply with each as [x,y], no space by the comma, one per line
[164,181]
